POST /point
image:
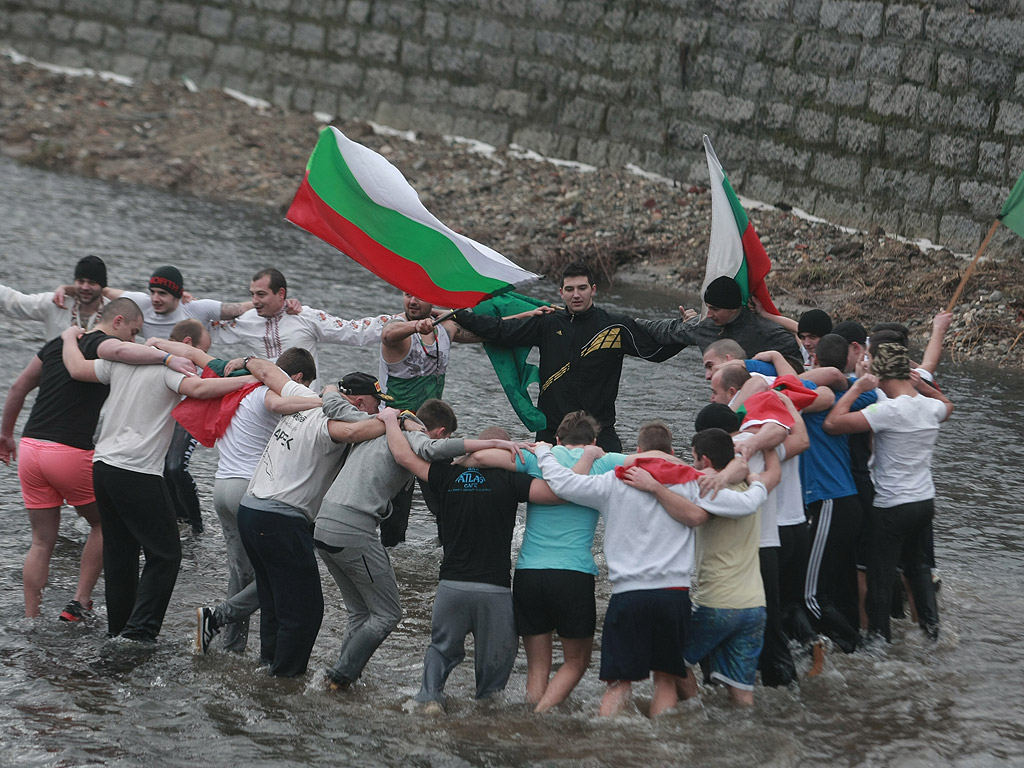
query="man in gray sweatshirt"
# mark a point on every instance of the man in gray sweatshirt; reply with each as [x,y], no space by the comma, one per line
[347,538]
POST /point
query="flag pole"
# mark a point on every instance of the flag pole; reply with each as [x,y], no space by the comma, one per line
[973,264]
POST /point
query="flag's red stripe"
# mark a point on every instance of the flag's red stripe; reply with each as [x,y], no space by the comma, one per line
[758,265]
[312,214]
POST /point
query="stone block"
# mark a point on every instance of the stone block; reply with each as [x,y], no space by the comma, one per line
[540,141]
[435,25]
[60,28]
[159,70]
[1004,35]
[806,11]
[955,152]
[517,9]
[897,187]
[537,71]
[960,233]
[396,15]
[393,115]
[690,31]
[460,28]
[455,59]
[743,40]
[964,111]
[249,29]
[991,74]
[302,99]
[382,83]
[493,33]
[846,93]
[414,56]
[189,46]
[145,42]
[814,126]
[773,153]
[854,211]
[918,64]
[958,27]
[593,151]
[951,71]
[984,199]
[905,143]
[621,154]
[592,53]
[69,56]
[764,10]
[432,121]
[851,17]
[358,11]
[858,136]
[829,55]
[919,224]
[178,16]
[215,22]
[943,192]
[308,37]
[879,61]
[546,10]
[342,40]
[229,56]
[789,82]
[28,24]
[604,87]
[277,33]
[559,46]
[498,70]
[512,103]
[756,79]
[992,160]
[776,116]
[130,65]
[474,97]
[313,9]
[906,21]
[344,74]
[718,106]
[488,131]
[844,172]
[88,32]
[885,99]
[583,113]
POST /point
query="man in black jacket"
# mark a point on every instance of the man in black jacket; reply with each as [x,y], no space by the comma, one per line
[727,319]
[581,351]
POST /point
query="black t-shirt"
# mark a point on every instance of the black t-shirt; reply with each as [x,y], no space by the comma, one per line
[66,410]
[476,519]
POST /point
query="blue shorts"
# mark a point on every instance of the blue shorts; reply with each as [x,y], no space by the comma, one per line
[644,632]
[731,638]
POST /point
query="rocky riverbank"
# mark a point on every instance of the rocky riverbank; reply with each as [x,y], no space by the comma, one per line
[537,213]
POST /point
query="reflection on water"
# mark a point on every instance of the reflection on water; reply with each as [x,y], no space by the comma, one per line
[71,697]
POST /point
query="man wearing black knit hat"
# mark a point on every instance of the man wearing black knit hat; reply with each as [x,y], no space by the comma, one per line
[727,318]
[812,325]
[90,280]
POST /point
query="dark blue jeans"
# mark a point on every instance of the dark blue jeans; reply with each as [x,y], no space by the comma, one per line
[280,549]
[136,514]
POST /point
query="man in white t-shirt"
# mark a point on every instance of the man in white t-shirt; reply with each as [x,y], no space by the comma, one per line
[905,427]
[135,510]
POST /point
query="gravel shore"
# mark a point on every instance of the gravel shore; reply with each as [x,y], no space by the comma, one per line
[537,213]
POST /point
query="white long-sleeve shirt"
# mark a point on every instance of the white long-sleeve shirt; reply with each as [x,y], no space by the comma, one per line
[644,547]
[40,306]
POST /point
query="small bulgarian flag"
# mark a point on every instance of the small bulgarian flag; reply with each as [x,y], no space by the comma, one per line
[735,249]
[355,200]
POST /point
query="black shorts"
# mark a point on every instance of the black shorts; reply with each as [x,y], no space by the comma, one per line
[551,600]
[644,632]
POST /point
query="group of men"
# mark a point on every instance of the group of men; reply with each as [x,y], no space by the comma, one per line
[770,516]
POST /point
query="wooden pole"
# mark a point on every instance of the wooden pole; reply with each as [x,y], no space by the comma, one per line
[973,264]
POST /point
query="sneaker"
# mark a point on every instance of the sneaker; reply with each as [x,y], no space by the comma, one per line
[206,628]
[75,611]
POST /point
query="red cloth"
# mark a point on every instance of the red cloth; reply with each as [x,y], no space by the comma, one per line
[664,471]
[795,390]
[207,420]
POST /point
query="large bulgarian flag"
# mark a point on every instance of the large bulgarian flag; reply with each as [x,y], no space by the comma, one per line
[735,250]
[354,199]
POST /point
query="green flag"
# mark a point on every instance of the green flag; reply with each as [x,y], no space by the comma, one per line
[510,365]
[1012,214]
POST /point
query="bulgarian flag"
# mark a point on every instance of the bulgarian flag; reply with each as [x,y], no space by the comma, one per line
[735,250]
[354,199]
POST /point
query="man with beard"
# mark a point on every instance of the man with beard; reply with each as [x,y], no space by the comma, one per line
[90,280]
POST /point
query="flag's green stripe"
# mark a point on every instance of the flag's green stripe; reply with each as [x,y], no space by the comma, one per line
[743,280]
[737,210]
[1013,209]
[333,182]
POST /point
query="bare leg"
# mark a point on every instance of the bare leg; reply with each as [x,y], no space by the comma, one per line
[92,554]
[538,665]
[615,697]
[910,598]
[576,652]
[686,687]
[665,696]
[45,524]
[740,697]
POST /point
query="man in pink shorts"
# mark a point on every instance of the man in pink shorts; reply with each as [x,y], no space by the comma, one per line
[57,446]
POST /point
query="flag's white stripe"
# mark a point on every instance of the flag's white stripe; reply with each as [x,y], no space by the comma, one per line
[386,186]
[725,251]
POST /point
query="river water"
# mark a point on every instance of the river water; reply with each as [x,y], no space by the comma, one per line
[69,697]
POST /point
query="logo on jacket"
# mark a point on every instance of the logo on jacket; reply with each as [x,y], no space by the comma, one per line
[609,338]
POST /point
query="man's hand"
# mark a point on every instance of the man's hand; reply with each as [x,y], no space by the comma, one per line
[389,415]
[59,296]
[688,314]
[863,367]
[8,449]
[712,483]
[641,479]
[292,307]
[532,447]
[186,297]
[592,452]
[865,383]
[940,323]
[424,326]
[72,332]
[181,365]
[234,365]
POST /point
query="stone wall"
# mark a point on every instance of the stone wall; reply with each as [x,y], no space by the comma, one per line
[906,115]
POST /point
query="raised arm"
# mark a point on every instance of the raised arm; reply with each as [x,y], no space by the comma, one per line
[933,352]
[27,380]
